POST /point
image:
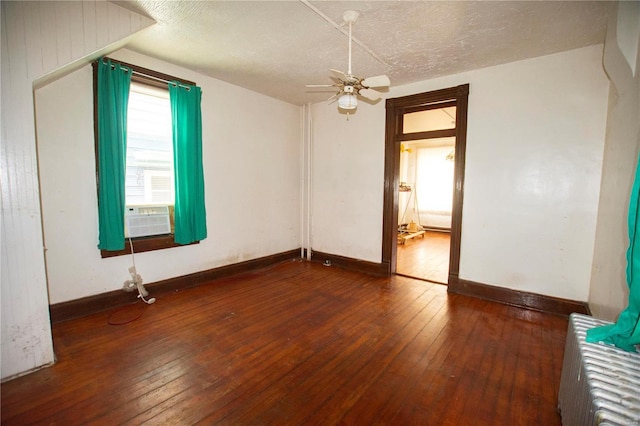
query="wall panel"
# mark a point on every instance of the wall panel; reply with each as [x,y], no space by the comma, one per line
[37,39]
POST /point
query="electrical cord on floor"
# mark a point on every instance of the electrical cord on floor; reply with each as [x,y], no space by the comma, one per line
[129,285]
[137,316]
[136,280]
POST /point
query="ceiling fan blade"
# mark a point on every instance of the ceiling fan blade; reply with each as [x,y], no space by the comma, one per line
[377,81]
[372,95]
[339,74]
[322,85]
[334,96]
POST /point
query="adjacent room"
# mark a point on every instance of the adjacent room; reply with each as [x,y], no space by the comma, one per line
[309,212]
[426,195]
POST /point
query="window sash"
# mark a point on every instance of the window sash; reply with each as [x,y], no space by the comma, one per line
[149,148]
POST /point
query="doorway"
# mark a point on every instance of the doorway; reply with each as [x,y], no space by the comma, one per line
[404,131]
[425,200]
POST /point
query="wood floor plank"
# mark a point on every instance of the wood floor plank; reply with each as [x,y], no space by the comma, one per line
[360,374]
[395,381]
[425,257]
[308,376]
[299,343]
[466,348]
[484,406]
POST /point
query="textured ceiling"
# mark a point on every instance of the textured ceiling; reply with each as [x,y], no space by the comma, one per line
[276,47]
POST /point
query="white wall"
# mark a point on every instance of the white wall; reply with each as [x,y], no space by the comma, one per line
[609,292]
[39,40]
[533,168]
[347,181]
[250,154]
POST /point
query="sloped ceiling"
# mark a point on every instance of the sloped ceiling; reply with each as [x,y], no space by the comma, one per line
[276,47]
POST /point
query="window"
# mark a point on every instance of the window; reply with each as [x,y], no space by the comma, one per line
[434,180]
[149,171]
[137,186]
[149,177]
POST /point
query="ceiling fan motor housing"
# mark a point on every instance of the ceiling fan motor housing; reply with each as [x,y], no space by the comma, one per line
[350,16]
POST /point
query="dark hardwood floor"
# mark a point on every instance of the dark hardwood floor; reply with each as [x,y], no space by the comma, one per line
[300,343]
[425,257]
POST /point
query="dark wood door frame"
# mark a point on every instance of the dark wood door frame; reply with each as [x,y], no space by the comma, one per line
[395,110]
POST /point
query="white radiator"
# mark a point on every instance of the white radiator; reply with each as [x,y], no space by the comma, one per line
[600,384]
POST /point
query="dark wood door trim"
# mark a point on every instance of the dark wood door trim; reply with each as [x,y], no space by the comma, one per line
[432,134]
[395,109]
[462,97]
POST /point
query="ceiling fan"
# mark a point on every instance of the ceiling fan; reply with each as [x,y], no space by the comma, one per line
[350,86]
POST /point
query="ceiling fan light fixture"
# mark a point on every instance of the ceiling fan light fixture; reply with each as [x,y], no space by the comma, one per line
[351,86]
[347,101]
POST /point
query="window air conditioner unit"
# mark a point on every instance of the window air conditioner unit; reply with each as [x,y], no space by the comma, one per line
[143,221]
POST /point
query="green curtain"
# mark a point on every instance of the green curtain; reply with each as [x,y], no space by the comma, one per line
[625,333]
[113,98]
[190,215]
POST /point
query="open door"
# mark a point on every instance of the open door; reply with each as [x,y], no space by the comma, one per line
[400,113]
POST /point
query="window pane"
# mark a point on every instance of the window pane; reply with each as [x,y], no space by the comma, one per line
[432,119]
[149,177]
[434,184]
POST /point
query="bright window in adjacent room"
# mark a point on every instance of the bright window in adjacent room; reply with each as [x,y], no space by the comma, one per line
[434,185]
